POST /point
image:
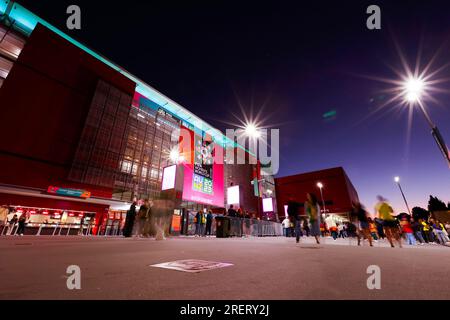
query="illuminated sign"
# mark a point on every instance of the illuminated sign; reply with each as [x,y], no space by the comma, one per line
[233,195]
[168,179]
[267,204]
[203,170]
[176,223]
[69,192]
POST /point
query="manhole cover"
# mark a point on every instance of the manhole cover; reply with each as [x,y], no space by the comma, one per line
[311,247]
[191,265]
[23,244]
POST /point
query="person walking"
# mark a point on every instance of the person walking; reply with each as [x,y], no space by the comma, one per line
[408,231]
[143,218]
[332,226]
[306,227]
[4,211]
[129,220]
[373,229]
[209,219]
[390,224]
[294,217]
[21,222]
[364,228]
[312,210]
[286,227]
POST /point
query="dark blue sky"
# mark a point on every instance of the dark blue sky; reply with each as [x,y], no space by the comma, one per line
[295,61]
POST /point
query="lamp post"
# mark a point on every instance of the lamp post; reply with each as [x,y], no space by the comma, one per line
[397,180]
[414,88]
[320,185]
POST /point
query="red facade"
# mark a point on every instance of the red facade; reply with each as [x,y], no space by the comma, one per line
[338,191]
[48,93]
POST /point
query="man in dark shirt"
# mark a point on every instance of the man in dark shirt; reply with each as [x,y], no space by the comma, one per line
[231,211]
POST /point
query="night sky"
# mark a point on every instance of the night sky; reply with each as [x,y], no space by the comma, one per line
[291,62]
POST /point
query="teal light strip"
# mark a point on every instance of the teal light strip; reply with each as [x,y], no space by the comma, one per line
[3,6]
[27,21]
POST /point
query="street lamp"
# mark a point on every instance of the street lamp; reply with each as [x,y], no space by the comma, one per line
[251,130]
[397,180]
[414,89]
[320,185]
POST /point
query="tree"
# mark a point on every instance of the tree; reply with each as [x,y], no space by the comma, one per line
[420,213]
[435,204]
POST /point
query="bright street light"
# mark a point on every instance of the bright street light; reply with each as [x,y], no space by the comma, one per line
[175,156]
[252,131]
[320,185]
[414,88]
[397,179]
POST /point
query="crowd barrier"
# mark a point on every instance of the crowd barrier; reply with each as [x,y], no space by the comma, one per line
[241,227]
[52,229]
[238,227]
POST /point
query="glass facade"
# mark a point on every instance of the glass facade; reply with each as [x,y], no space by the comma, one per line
[124,145]
[11,44]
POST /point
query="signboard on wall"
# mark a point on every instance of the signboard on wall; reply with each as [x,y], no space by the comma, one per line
[168,178]
[69,192]
[267,204]
[233,195]
[203,172]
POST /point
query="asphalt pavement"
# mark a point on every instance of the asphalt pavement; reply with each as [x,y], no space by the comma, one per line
[262,268]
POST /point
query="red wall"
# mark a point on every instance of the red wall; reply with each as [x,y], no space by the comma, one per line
[337,189]
[43,105]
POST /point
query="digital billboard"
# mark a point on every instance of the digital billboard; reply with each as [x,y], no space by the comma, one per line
[203,168]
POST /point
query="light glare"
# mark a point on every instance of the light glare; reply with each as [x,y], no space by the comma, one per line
[413,89]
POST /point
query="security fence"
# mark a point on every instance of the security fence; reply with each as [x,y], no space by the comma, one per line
[235,227]
[238,227]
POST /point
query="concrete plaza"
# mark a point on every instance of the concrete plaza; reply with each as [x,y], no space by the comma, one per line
[263,268]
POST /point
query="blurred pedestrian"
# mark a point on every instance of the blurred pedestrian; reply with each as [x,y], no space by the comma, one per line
[438,230]
[209,220]
[12,223]
[426,231]
[364,228]
[417,230]
[312,210]
[4,211]
[129,220]
[143,218]
[408,231]
[286,227]
[21,223]
[390,224]
[306,227]
[294,217]
[373,229]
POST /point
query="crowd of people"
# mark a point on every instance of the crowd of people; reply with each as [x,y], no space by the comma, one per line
[385,225]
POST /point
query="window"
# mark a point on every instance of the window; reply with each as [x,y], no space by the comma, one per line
[126,166]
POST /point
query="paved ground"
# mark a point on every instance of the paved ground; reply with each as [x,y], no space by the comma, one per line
[264,268]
